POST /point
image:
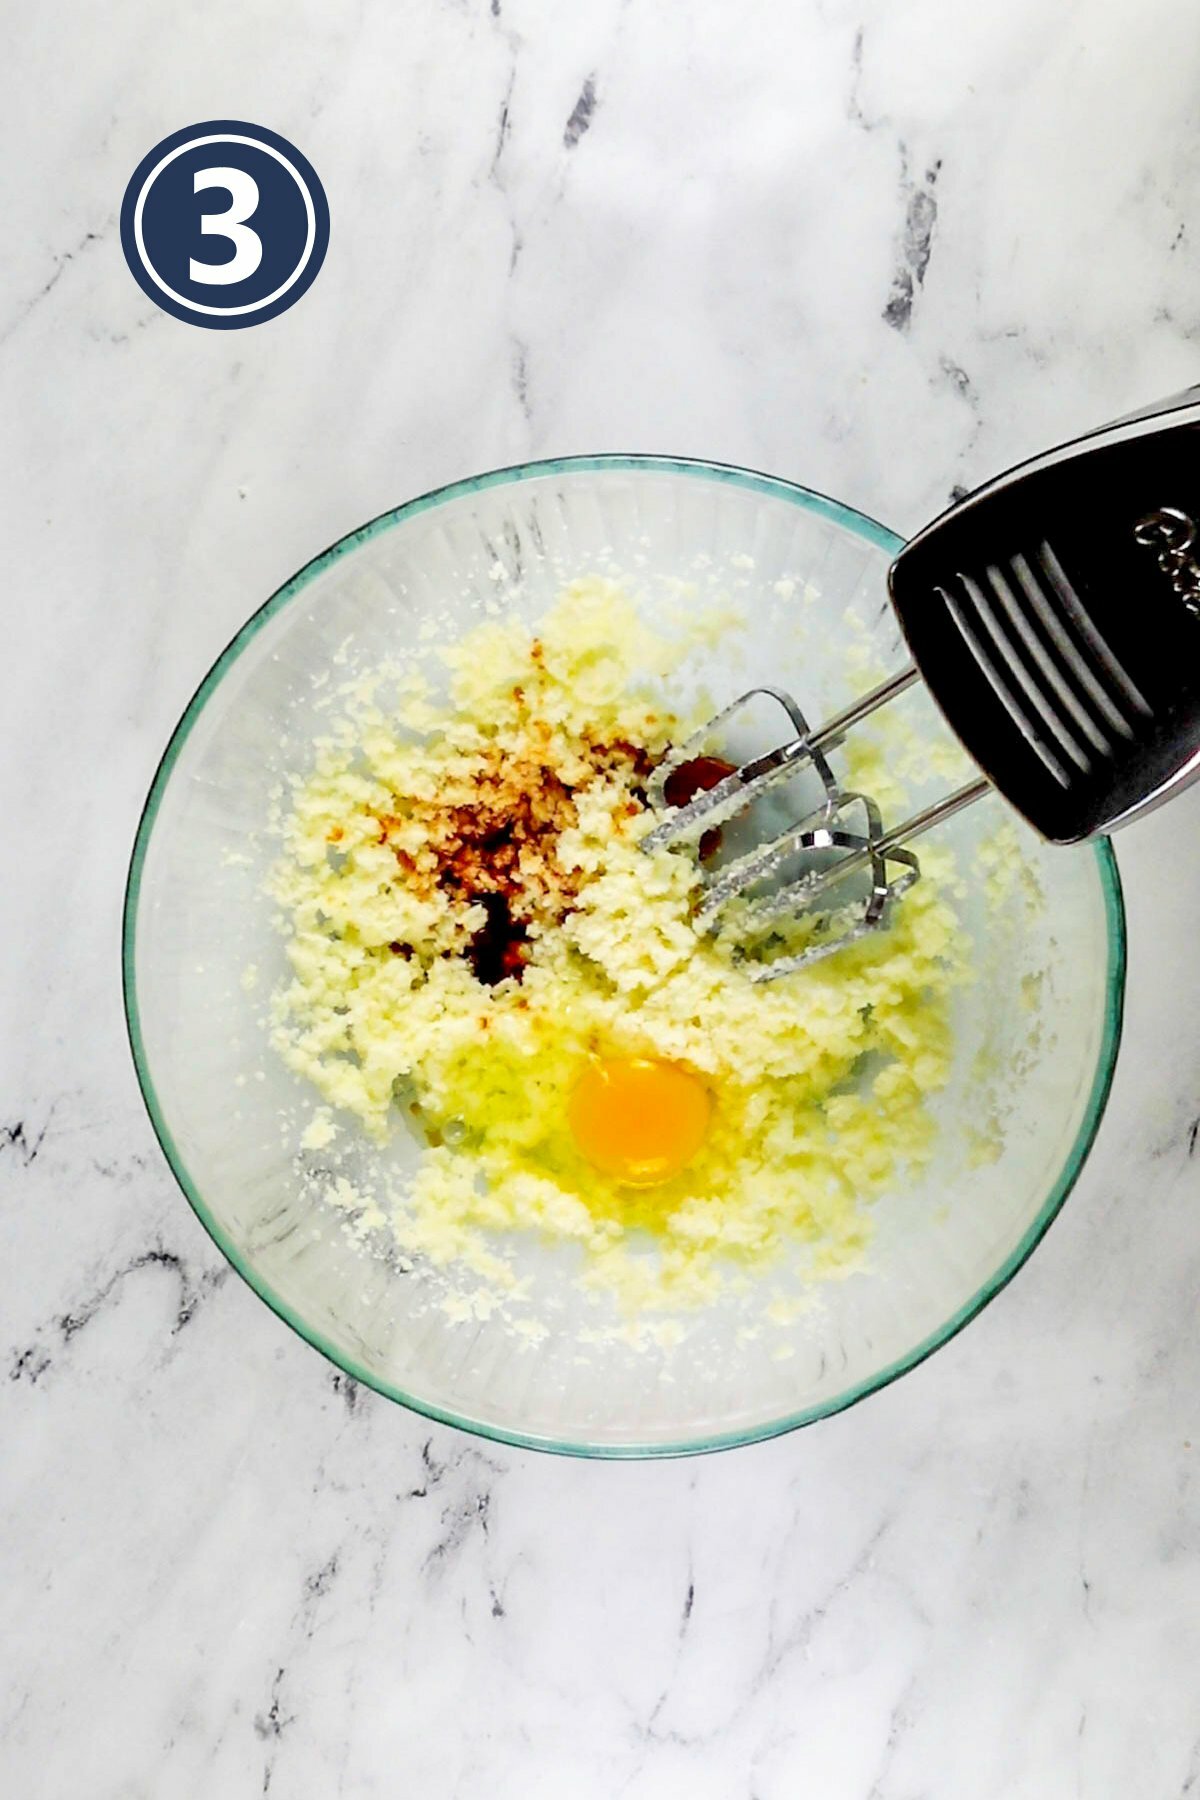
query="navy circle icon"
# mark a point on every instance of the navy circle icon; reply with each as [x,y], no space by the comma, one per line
[224,224]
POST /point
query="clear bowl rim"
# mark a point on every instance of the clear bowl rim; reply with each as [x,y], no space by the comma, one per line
[756,482]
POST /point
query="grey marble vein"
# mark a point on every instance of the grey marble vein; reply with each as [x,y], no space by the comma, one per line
[580,120]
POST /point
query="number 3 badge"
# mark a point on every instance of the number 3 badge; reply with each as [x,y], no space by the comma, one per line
[224,224]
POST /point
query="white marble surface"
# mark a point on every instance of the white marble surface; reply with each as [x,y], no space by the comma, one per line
[881,248]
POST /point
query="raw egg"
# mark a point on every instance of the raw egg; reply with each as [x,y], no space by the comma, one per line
[639,1119]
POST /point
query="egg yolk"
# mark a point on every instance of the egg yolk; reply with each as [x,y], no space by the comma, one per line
[638,1118]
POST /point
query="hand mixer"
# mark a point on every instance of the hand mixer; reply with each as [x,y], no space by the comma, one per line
[1054,617]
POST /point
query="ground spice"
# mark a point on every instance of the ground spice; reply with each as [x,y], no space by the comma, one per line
[495,847]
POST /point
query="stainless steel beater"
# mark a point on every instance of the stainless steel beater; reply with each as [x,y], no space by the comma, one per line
[1054,617]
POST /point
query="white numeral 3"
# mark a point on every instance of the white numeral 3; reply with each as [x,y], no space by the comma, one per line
[243,196]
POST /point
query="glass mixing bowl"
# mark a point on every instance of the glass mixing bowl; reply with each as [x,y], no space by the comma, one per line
[1036,1030]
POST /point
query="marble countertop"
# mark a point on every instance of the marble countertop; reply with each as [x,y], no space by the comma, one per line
[881,249]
